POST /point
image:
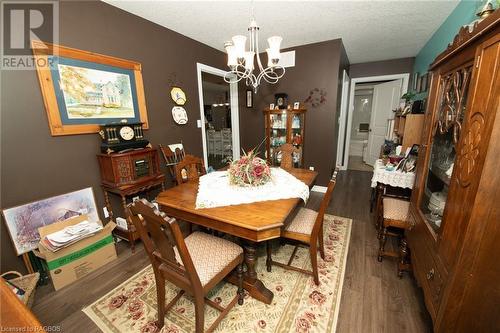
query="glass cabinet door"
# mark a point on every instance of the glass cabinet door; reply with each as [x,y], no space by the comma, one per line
[440,167]
[297,137]
[442,149]
[277,134]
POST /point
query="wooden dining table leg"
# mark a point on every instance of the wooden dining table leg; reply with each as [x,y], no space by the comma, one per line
[251,282]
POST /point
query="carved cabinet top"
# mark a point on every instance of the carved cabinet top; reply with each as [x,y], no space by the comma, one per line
[467,35]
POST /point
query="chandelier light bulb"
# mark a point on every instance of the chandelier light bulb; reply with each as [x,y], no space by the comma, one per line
[239,42]
[272,58]
[274,43]
[232,59]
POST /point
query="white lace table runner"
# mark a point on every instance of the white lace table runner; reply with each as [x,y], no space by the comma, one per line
[215,191]
[392,178]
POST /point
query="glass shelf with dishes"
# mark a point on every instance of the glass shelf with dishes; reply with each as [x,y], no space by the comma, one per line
[440,168]
[284,126]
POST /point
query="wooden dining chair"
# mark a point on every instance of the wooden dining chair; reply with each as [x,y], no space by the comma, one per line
[287,150]
[172,158]
[395,220]
[191,167]
[195,264]
[306,228]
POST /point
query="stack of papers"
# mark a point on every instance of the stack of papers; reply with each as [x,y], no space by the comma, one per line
[70,235]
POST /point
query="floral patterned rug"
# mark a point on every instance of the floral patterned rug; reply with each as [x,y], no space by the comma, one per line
[298,305]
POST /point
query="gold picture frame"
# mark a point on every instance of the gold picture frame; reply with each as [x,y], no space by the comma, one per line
[63,120]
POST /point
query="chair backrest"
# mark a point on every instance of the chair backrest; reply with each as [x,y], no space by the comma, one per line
[172,157]
[287,150]
[160,234]
[325,202]
[191,167]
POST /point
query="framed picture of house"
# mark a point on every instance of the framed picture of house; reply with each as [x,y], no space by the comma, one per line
[23,221]
[83,90]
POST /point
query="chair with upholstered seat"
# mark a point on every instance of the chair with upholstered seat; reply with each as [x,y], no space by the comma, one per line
[306,228]
[287,150]
[191,167]
[395,221]
[194,264]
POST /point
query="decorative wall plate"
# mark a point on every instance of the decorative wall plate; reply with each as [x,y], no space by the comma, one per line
[178,96]
[180,115]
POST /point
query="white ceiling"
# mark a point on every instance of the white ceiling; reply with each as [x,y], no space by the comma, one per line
[370,30]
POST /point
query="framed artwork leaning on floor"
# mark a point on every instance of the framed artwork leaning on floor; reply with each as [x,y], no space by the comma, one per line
[23,221]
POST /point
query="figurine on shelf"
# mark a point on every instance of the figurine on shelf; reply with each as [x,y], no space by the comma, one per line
[297,139]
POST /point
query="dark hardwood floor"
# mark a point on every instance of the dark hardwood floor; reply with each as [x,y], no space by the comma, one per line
[374,299]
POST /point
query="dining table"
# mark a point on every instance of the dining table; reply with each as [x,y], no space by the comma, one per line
[252,223]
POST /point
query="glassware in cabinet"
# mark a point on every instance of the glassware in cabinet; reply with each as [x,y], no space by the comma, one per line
[442,148]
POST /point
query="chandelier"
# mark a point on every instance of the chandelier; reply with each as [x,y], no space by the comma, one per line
[241,62]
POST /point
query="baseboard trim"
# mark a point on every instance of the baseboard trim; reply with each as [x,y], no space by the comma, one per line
[321,189]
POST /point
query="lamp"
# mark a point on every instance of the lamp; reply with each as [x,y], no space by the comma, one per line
[241,62]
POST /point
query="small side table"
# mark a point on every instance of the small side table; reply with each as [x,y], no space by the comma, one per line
[124,191]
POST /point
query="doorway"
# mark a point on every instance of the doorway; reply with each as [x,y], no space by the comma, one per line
[371,101]
[218,117]
[360,126]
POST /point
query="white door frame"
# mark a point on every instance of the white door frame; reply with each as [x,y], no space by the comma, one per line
[342,117]
[235,119]
[404,88]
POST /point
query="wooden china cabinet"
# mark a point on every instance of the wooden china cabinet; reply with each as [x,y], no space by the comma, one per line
[285,126]
[455,205]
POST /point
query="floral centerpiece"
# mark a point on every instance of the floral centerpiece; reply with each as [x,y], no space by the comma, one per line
[249,170]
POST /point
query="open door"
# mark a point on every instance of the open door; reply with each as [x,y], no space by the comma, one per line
[342,121]
[219,117]
[386,98]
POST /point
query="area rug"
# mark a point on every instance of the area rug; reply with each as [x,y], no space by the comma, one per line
[298,305]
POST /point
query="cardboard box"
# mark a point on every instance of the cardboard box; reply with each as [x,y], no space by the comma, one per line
[73,262]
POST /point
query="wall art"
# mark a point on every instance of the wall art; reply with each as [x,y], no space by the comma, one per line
[83,90]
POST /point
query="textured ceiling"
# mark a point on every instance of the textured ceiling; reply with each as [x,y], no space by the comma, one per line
[370,30]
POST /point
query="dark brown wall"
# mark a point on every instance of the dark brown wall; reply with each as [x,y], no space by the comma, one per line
[316,66]
[36,165]
[385,67]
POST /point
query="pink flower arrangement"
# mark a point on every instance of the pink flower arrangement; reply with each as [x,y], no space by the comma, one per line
[249,170]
